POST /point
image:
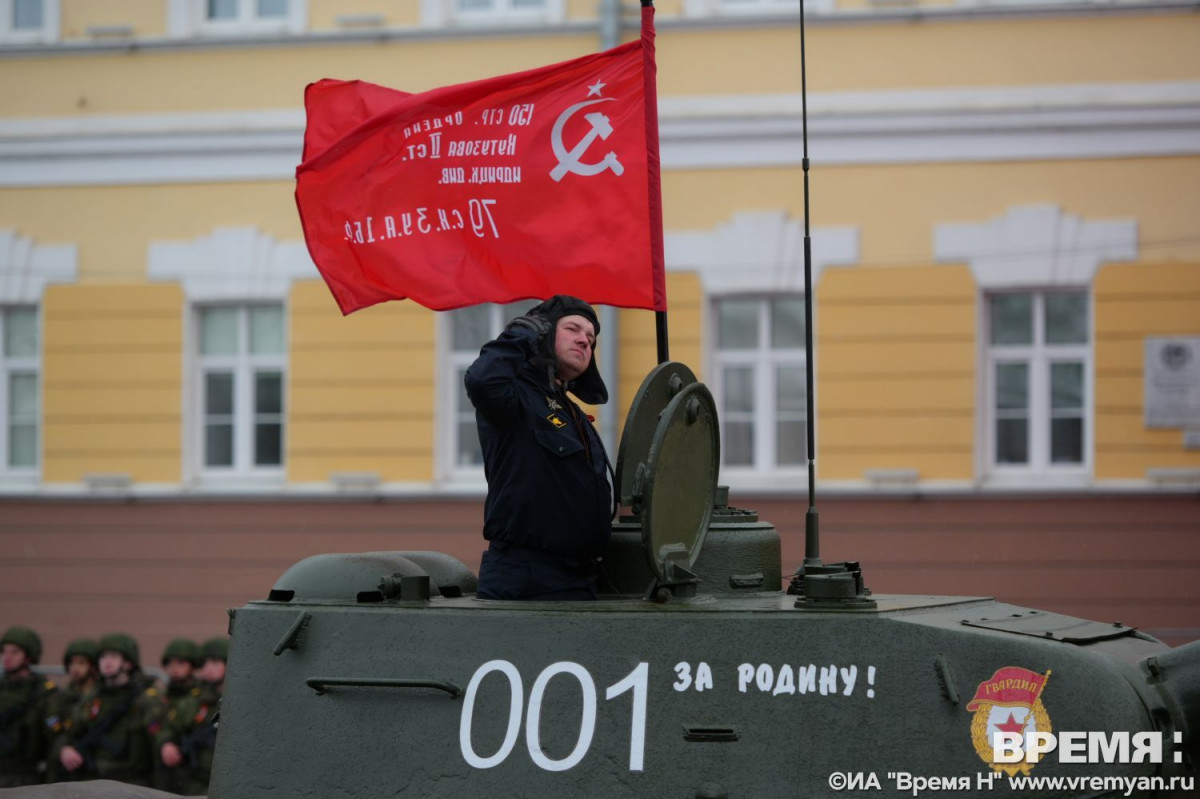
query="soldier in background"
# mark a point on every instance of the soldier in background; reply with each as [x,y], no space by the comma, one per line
[23,696]
[189,737]
[187,741]
[79,668]
[179,661]
[114,726]
[215,654]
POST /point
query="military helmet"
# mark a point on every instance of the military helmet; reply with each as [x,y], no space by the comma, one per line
[182,648]
[25,638]
[85,647]
[217,648]
[123,643]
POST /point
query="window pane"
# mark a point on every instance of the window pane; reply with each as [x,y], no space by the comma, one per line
[790,446]
[471,328]
[739,389]
[218,394]
[1066,318]
[475,5]
[787,323]
[23,396]
[1066,440]
[20,332]
[737,324]
[27,15]
[23,420]
[1012,441]
[218,444]
[469,453]
[1066,386]
[789,389]
[266,330]
[737,443]
[272,8]
[219,331]
[1012,386]
[222,9]
[528,3]
[268,392]
[268,444]
[22,446]
[1011,318]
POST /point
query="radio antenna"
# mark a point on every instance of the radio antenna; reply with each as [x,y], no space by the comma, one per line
[819,585]
[812,534]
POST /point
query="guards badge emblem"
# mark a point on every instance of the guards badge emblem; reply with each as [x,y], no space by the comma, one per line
[1011,701]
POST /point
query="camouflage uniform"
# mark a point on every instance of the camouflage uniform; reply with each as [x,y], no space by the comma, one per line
[191,726]
[60,708]
[178,694]
[22,702]
[114,726]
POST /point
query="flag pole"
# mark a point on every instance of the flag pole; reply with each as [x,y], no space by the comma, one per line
[657,256]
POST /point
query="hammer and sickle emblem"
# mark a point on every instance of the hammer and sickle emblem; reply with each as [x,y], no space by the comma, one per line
[569,161]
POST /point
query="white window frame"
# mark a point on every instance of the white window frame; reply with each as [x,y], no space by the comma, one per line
[190,18]
[11,365]
[454,364]
[725,8]
[243,365]
[763,359]
[1039,356]
[439,13]
[49,32]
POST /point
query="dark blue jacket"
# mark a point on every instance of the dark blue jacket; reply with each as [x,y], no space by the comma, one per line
[546,469]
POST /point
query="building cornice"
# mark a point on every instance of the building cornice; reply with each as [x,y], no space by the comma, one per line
[1080,121]
[664,24]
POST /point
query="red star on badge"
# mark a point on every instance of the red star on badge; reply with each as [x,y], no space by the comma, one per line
[1012,725]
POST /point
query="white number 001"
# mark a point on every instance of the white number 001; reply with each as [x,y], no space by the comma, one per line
[635,680]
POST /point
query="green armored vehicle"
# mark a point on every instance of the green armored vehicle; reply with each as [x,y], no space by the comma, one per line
[695,675]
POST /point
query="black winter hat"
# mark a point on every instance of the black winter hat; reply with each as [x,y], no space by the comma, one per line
[589,386]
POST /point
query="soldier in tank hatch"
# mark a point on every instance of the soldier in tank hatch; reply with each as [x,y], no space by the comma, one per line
[23,696]
[548,513]
[79,670]
[114,725]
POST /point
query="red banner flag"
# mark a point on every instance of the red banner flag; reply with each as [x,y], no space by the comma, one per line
[515,187]
[1010,686]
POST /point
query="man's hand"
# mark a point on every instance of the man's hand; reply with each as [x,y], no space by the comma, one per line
[70,758]
[535,322]
[171,756]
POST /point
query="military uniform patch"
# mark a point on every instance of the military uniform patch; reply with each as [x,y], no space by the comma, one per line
[556,420]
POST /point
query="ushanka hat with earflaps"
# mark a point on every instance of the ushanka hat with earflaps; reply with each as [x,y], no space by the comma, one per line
[589,386]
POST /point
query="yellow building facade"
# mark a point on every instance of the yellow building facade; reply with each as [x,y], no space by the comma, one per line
[1004,206]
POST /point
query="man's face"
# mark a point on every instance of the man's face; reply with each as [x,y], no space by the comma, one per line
[111,664]
[178,669]
[213,670]
[574,338]
[14,658]
[78,668]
